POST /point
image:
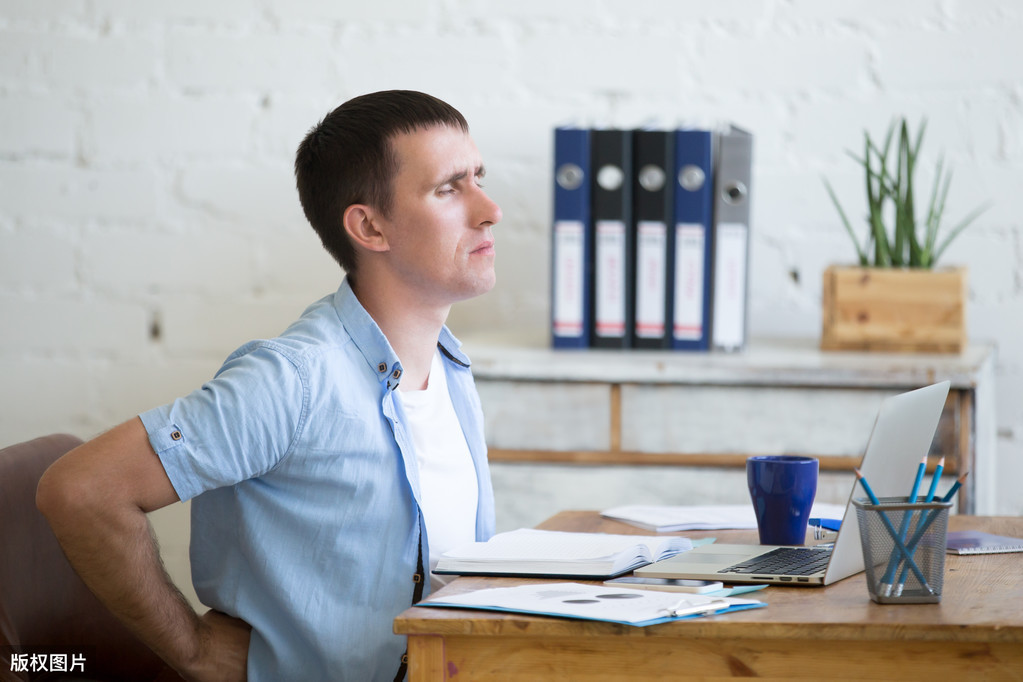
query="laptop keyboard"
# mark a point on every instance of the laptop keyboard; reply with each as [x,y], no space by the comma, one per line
[784,561]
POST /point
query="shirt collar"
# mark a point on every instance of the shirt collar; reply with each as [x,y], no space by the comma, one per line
[371,342]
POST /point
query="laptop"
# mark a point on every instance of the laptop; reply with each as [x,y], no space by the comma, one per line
[902,435]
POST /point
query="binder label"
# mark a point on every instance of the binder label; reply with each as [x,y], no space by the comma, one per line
[651,277]
[690,241]
[609,274]
[568,278]
[730,286]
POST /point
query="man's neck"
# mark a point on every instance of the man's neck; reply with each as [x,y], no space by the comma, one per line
[411,328]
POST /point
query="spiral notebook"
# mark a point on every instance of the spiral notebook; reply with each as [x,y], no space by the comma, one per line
[976,542]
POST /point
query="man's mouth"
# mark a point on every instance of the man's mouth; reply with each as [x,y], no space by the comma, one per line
[484,249]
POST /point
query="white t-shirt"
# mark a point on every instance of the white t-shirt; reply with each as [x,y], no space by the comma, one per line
[447,478]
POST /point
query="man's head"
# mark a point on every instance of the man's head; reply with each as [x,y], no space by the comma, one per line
[348,158]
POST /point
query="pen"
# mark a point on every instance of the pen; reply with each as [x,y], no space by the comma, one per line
[677,609]
[891,531]
[684,607]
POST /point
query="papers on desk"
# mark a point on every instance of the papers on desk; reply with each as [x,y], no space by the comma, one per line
[667,519]
[529,552]
[595,602]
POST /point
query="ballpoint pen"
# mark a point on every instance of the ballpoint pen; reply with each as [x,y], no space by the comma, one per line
[684,607]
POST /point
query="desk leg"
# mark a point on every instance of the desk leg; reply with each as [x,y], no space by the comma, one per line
[426,658]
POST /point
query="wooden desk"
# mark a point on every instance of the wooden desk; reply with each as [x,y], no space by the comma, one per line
[830,633]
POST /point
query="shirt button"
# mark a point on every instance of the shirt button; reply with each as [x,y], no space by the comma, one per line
[396,374]
[381,368]
[176,435]
[417,578]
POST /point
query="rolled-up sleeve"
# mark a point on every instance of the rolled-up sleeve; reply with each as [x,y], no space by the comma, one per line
[237,426]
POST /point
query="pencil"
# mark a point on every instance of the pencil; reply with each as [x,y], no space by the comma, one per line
[891,531]
[934,480]
[927,499]
[866,487]
[893,564]
[934,514]
[955,487]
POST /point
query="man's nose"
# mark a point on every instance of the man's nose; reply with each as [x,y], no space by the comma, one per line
[488,211]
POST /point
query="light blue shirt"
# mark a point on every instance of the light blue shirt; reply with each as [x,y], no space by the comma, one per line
[305,518]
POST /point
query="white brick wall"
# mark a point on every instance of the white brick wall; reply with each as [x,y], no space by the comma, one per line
[146,150]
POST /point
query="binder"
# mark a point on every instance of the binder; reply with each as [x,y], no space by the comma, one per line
[693,224]
[653,199]
[571,239]
[731,238]
[614,239]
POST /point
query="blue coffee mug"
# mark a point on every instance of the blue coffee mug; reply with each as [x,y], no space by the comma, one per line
[782,488]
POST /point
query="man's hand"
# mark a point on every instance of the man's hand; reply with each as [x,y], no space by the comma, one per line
[224,649]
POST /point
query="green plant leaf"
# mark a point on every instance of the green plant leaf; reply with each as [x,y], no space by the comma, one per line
[940,211]
[875,200]
[933,214]
[960,226]
[903,197]
[908,242]
[860,253]
[919,137]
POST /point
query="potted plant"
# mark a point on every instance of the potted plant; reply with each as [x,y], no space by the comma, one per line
[895,298]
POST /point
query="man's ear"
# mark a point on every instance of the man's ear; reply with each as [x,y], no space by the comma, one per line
[359,223]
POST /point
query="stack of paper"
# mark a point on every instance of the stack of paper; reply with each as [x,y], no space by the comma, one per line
[596,602]
[551,553]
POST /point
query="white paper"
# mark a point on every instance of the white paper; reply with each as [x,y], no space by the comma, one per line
[593,602]
[528,544]
[713,517]
[730,286]
[569,297]
[610,278]
[651,278]
[689,249]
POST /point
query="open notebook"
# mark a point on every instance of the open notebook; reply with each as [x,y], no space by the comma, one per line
[902,434]
[545,553]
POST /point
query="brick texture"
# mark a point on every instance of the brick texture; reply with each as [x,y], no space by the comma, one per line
[149,223]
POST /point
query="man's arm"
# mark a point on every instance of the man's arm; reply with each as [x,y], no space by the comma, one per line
[96,498]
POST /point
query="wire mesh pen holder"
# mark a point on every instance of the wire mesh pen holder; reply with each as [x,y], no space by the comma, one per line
[903,549]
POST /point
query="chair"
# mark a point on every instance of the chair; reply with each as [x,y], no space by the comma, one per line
[45,608]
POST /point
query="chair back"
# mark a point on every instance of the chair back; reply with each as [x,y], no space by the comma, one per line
[45,608]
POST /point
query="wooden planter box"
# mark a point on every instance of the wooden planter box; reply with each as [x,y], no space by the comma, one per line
[894,309]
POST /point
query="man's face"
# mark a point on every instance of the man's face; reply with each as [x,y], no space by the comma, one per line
[438,230]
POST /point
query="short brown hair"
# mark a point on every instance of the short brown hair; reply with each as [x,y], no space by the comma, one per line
[347,158]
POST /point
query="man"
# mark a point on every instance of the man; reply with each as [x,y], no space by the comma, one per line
[326,466]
